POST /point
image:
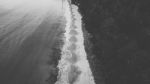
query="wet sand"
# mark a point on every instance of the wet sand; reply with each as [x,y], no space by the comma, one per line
[27,62]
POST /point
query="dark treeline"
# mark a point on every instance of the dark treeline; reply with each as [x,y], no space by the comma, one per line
[120,37]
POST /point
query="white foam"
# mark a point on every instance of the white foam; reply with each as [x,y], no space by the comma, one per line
[74,19]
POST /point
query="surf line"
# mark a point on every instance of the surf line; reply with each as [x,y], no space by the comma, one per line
[73,66]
